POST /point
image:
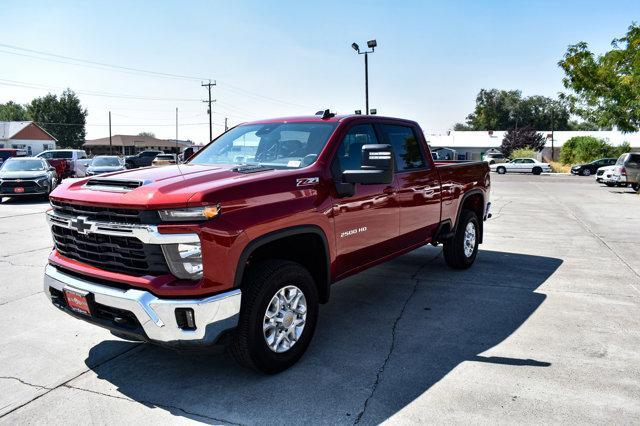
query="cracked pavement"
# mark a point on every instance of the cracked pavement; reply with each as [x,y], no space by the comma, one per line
[544,328]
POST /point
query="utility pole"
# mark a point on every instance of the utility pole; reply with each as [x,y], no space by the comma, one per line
[226,126]
[208,86]
[110,143]
[552,147]
[177,147]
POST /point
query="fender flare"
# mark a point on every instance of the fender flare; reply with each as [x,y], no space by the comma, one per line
[462,200]
[253,245]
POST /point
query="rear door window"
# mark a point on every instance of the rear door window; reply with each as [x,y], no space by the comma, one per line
[405,146]
[634,160]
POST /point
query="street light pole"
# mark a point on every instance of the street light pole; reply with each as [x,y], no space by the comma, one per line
[371,44]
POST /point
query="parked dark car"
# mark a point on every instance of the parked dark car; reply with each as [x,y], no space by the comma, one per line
[589,169]
[105,164]
[142,159]
[26,176]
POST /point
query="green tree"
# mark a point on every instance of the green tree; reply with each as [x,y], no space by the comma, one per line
[12,111]
[148,134]
[504,109]
[606,88]
[584,149]
[63,117]
[522,138]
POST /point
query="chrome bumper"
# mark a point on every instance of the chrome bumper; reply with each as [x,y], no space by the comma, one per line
[213,315]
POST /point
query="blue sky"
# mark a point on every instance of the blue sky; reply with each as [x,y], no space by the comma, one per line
[289,58]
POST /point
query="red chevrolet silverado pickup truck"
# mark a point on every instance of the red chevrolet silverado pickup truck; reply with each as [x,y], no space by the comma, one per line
[237,247]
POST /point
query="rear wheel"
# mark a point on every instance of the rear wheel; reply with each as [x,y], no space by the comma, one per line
[636,186]
[610,184]
[536,171]
[278,316]
[501,170]
[460,251]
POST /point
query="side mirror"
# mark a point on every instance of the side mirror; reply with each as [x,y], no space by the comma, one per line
[377,166]
[52,169]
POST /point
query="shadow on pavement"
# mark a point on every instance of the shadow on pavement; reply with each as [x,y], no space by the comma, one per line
[25,200]
[385,338]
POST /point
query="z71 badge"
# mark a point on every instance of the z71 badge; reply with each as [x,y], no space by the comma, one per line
[307,181]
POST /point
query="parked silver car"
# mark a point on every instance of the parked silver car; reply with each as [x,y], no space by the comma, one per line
[627,170]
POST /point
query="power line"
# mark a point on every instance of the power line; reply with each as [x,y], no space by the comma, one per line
[136,71]
[102,64]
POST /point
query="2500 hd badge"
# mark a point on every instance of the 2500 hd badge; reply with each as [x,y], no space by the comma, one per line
[353,231]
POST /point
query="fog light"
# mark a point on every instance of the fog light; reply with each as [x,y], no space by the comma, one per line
[185,318]
[184,260]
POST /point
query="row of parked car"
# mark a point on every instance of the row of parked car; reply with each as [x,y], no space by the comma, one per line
[623,171]
[39,175]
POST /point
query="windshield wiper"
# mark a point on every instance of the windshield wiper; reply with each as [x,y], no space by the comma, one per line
[251,168]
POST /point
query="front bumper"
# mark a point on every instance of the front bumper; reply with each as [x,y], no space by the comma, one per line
[142,315]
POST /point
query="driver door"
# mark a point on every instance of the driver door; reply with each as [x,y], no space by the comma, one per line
[366,223]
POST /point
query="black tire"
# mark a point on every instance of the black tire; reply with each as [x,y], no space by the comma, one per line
[501,170]
[635,186]
[453,249]
[536,171]
[586,172]
[610,184]
[261,284]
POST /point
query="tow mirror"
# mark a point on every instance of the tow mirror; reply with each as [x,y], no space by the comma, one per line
[52,169]
[377,166]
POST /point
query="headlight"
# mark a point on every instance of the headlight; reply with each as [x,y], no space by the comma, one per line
[184,260]
[42,181]
[190,214]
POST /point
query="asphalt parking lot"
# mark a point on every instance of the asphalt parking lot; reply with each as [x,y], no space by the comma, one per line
[544,328]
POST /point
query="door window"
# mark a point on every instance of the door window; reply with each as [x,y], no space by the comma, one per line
[406,147]
[349,153]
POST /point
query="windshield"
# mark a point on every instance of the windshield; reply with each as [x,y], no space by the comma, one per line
[105,162]
[277,145]
[23,166]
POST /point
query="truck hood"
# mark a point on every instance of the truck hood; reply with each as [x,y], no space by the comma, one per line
[153,187]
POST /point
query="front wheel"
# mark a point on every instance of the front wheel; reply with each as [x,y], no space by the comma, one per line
[636,186]
[586,172]
[278,316]
[501,170]
[536,171]
[460,251]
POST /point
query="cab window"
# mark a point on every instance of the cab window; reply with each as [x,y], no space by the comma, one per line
[406,147]
[349,153]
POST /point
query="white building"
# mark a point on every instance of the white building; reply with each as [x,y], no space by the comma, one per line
[471,145]
[25,135]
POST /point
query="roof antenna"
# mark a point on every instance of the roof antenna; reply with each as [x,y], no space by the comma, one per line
[326,114]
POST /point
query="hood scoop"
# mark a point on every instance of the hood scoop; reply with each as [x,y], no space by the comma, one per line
[113,185]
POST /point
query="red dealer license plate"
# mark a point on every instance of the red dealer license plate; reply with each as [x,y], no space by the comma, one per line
[78,301]
[18,189]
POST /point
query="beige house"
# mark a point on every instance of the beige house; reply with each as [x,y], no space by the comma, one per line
[131,144]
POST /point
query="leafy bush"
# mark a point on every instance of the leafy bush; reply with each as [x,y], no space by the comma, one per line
[584,149]
[523,153]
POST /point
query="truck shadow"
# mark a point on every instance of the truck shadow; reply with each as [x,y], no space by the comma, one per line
[387,336]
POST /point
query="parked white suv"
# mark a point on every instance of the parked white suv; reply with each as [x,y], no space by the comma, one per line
[521,165]
[494,158]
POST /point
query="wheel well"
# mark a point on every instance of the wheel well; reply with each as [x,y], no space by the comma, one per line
[475,203]
[307,249]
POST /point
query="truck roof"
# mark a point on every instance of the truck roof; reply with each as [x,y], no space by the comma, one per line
[319,119]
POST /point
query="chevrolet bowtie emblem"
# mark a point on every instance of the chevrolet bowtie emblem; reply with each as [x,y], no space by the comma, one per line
[80,224]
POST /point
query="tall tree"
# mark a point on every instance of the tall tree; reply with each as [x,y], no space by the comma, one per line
[606,88]
[504,109]
[12,111]
[522,138]
[64,118]
[148,134]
